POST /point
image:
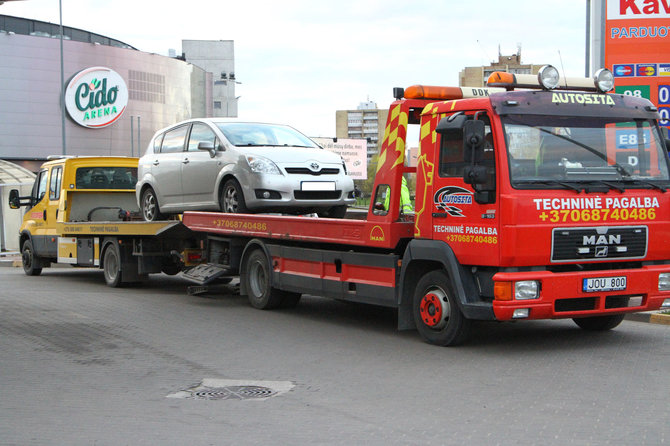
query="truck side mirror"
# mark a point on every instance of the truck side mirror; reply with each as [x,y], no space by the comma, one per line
[14,200]
[473,141]
[451,124]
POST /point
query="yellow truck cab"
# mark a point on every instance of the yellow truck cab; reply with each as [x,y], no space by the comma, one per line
[80,212]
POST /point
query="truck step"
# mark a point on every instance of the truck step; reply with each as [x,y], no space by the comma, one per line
[205,273]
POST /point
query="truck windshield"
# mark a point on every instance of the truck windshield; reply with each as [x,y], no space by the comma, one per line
[249,134]
[563,151]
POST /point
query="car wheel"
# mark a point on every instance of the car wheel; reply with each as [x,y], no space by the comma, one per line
[232,198]
[149,204]
[334,212]
[31,263]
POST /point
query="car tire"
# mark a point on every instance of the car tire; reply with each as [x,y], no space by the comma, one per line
[149,206]
[232,198]
[32,265]
[334,212]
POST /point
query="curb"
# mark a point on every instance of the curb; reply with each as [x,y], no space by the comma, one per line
[651,318]
[659,318]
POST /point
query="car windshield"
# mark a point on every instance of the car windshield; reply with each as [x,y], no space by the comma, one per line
[253,134]
[546,150]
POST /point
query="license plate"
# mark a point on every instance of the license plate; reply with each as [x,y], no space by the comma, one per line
[317,185]
[604,284]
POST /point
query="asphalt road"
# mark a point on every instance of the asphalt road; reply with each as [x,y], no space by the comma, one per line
[84,364]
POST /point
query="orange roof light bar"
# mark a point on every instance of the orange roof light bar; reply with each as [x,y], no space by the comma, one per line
[447,93]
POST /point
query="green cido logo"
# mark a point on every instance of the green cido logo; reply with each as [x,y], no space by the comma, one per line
[96,97]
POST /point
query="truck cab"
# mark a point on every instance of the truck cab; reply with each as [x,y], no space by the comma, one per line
[536,201]
[82,189]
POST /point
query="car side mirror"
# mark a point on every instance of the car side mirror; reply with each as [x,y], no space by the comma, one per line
[208,146]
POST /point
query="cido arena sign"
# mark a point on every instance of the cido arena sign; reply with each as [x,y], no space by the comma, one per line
[96,97]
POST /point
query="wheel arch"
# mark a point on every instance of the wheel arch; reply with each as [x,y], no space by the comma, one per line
[424,256]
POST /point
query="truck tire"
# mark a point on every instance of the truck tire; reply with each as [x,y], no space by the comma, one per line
[232,198]
[599,323]
[32,265]
[438,318]
[258,282]
[111,264]
[149,205]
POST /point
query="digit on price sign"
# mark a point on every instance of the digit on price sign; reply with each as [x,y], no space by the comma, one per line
[638,91]
[665,116]
[664,94]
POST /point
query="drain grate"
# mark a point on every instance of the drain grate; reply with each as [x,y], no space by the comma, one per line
[233,393]
[217,389]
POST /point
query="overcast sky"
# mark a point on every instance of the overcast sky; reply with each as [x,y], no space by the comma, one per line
[301,60]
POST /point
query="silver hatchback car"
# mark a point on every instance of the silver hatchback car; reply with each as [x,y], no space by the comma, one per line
[240,167]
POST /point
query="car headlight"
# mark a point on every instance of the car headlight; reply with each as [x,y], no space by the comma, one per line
[258,164]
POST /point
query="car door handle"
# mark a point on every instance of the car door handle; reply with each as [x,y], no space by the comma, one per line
[185,161]
[156,163]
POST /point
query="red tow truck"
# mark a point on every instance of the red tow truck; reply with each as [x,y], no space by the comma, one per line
[537,198]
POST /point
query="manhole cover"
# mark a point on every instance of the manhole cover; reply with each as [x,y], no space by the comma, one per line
[219,389]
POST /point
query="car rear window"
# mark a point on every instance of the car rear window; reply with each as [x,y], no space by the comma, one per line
[112,177]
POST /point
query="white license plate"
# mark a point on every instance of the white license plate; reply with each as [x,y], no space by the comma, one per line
[604,284]
[317,185]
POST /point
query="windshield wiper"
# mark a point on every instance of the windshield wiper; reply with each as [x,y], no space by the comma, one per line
[647,183]
[561,183]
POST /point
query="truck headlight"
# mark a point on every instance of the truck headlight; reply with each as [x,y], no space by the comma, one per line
[526,289]
[664,282]
[548,77]
[604,80]
[259,164]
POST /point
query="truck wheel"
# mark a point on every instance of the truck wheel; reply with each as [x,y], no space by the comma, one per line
[232,198]
[149,203]
[436,313]
[258,277]
[334,212]
[32,265]
[111,265]
[599,323]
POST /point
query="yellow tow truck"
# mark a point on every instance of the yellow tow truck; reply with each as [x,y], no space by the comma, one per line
[82,211]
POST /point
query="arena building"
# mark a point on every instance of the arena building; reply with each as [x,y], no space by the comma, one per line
[115,96]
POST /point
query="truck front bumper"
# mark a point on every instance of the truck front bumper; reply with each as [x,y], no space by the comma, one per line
[563,295]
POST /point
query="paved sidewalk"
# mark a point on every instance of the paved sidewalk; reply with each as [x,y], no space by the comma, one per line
[10,258]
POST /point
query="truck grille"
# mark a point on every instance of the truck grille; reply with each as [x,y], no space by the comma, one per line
[584,244]
[306,171]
